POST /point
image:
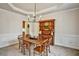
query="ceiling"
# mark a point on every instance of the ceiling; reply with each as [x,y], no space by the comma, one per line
[30,6]
[41,8]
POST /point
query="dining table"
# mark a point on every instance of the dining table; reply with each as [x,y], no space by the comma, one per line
[35,41]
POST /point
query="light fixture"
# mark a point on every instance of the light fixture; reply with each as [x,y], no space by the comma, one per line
[23,29]
[33,16]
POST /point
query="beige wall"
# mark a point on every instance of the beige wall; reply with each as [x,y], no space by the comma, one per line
[66,27]
[10,27]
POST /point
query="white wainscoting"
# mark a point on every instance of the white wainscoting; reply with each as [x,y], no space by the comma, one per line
[8,39]
[67,40]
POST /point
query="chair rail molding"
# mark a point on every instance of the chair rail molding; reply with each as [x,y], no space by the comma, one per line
[8,39]
[67,40]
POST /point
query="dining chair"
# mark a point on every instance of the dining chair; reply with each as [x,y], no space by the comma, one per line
[20,40]
[26,45]
[23,44]
[49,40]
[42,48]
[49,43]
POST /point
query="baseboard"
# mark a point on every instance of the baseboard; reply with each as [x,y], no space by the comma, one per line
[8,39]
[68,40]
[72,47]
[5,44]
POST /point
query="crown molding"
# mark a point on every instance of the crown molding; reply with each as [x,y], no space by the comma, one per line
[47,10]
[37,13]
[18,9]
[31,13]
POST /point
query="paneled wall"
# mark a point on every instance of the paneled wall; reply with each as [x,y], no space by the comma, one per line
[66,27]
[10,27]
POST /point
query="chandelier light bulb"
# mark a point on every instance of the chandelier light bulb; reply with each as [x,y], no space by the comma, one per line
[28,16]
[40,16]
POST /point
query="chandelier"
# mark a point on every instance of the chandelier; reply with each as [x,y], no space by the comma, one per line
[32,20]
[34,14]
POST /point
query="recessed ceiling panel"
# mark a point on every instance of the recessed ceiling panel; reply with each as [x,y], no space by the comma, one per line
[42,8]
[30,6]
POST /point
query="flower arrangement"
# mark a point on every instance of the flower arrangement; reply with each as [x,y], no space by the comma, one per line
[46,26]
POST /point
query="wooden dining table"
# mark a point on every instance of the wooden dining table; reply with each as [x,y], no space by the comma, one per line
[35,41]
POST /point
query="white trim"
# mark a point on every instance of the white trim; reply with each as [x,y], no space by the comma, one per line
[26,12]
[70,35]
[5,44]
[73,47]
[39,12]
[48,9]
[8,39]
[18,9]
[66,10]
[67,40]
[11,11]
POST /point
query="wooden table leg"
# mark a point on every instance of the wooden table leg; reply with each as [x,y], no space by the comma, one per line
[23,50]
[29,51]
[46,51]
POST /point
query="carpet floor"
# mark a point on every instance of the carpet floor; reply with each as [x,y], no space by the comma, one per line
[56,50]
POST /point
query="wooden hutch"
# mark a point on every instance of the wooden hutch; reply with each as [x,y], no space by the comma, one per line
[47,29]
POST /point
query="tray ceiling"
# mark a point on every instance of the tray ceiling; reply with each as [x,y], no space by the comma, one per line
[41,8]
